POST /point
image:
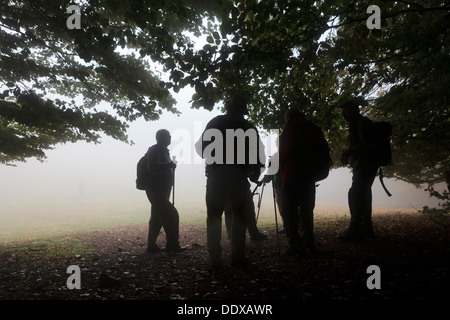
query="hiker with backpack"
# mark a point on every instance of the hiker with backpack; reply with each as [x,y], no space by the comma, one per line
[156,175]
[229,165]
[364,156]
[304,160]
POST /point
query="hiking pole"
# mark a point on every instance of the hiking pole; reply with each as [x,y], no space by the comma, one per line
[260,200]
[173,181]
[276,219]
[257,186]
[259,196]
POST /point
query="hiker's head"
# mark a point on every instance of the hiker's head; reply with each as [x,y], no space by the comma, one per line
[350,109]
[237,105]
[163,137]
[294,113]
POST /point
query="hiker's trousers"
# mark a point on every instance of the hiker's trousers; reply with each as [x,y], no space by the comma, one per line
[250,216]
[163,215]
[299,201]
[360,198]
[223,185]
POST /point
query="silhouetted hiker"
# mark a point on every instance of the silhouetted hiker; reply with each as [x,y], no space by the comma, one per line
[273,175]
[361,156]
[300,142]
[229,163]
[250,218]
[163,212]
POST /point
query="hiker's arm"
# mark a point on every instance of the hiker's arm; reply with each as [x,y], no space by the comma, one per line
[286,152]
[274,164]
[160,168]
[285,145]
[157,166]
[201,143]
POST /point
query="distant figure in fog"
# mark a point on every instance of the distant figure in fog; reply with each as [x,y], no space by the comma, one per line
[163,212]
[228,166]
[361,156]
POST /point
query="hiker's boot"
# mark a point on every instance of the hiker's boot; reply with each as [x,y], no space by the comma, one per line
[216,264]
[152,249]
[368,232]
[259,236]
[175,249]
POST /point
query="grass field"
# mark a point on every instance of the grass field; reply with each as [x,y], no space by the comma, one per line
[51,224]
[22,226]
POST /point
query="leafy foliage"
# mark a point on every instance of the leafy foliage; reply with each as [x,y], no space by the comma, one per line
[45,67]
[310,53]
[442,211]
[317,54]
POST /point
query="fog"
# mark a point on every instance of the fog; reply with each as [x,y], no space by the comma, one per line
[94,184]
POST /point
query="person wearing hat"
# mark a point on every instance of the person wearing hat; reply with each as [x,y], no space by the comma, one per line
[227,176]
[361,156]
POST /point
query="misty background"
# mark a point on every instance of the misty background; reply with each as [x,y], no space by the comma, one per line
[92,185]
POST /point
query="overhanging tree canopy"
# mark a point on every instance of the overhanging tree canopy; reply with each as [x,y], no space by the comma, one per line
[107,60]
[312,53]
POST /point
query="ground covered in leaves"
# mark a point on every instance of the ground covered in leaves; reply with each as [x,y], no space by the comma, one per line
[411,251]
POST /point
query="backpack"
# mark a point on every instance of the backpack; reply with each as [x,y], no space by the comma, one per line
[320,155]
[383,131]
[318,159]
[143,174]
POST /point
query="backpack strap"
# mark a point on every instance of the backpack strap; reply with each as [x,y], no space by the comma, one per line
[380,172]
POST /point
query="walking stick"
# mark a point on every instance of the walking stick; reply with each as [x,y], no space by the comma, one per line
[259,201]
[276,219]
[173,181]
[254,190]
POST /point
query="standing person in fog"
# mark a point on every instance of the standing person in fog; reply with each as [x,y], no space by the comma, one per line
[163,212]
[361,156]
[304,159]
[227,169]
[274,175]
